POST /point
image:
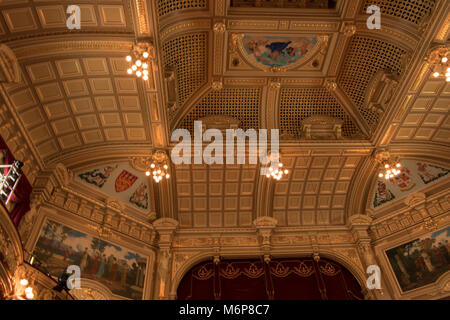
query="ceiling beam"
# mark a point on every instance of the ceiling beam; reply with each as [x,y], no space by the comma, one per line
[348,105]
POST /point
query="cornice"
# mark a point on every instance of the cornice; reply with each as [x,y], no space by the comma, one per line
[185,26]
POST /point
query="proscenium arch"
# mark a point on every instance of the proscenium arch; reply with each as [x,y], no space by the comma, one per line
[332,255]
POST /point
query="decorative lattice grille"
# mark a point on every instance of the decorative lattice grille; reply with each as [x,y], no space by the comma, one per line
[187,55]
[297,104]
[169,6]
[409,10]
[239,103]
[364,59]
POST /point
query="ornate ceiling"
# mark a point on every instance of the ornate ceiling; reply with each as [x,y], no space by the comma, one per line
[75,103]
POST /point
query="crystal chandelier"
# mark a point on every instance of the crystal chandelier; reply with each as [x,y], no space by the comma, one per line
[439,58]
[390,167]
[140,58]
[276,172]
[274,169]
[159,167]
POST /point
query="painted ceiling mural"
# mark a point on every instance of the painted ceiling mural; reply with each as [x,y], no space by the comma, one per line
[120,181]
[122,271]
[414,176]
[278,51]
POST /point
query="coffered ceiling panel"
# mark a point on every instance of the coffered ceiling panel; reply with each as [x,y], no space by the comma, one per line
[216,196]
[72,102]
[40,17]
[314,192]
[427,116]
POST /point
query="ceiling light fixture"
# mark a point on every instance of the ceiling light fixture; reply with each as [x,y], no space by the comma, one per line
[159,166]
[276,172]
[275,168]
[390,167]
[439,59]
[140,59]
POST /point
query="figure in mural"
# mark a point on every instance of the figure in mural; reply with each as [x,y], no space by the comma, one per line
[124,181]
[429,172]
[84,260]
[94,266]
[114,268]
[422,261]
[382,195]
[101,268]
[278,51]
[97,177]
[140,196]
[59,246]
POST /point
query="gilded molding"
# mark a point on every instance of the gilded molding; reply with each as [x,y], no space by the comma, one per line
[71,46]
[185,27]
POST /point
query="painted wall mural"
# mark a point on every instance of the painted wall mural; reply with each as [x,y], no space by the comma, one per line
[278,51]
[415,175]
[120,181]
[422,261]
[119,269]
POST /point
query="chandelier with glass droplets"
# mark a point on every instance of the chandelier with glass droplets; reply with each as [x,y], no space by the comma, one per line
[276,172]
[389,166]
[275,168]
[140,58]
[390,170]
[440,59]
[159,167]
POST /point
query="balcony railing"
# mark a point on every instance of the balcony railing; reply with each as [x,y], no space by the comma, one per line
[10,175]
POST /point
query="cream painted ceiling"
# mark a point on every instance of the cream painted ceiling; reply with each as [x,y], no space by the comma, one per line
[77,105]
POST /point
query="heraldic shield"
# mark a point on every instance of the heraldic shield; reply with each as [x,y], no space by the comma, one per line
[124,181]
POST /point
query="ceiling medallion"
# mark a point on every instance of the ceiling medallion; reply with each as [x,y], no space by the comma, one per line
[141,57]
[389,166]
[439,59]
[158,166]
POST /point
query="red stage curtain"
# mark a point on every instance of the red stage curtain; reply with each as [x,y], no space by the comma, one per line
[21,197]
[281,279]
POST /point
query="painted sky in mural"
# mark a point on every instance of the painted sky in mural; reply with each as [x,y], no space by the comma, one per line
[119,269]
[120,181]
[278,51]
[422,261]
[415,175]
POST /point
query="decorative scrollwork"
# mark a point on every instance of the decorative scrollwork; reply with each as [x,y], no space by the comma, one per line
[253,271]
[303,270]
[230,272]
